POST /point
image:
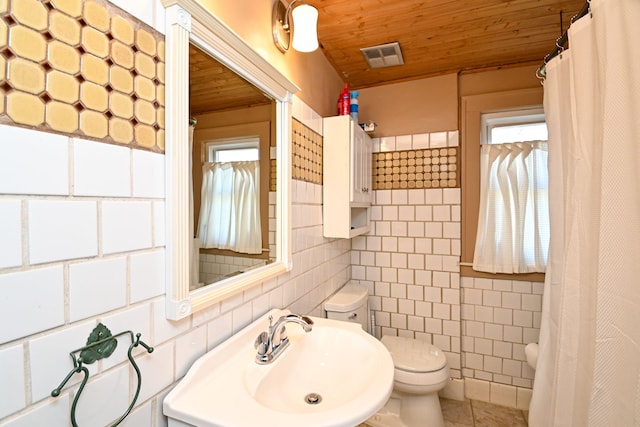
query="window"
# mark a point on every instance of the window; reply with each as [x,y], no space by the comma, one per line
[513,216]
[233,150]
[513,126]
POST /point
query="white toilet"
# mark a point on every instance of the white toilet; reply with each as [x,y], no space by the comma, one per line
[531,353]
[421,369]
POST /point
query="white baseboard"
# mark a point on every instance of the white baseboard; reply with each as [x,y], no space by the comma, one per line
[500,394]
[453,390]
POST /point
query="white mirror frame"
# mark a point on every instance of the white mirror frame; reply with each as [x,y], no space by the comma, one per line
[187,20]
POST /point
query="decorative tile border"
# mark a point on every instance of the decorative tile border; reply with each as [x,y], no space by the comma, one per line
[429,168]
[433,163]
[306,152]
[83,68]
[273,176]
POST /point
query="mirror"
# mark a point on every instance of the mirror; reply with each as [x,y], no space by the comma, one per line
[231,123]
[189,23]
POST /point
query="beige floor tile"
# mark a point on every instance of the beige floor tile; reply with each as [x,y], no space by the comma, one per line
[448,423]
[474,413]
[456,413]
[490,415]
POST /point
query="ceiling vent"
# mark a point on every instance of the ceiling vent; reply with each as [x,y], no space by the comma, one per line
[384,55]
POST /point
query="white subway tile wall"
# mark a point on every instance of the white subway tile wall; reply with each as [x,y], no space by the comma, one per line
[37,165]
[126,225]
[96,287]
[90,177]
[416,142]
[499,318]
[10,228]
[218,267]
[11,368]
[147,275]
[147,174]
[76,260]
[410,262]
[412,273]
[190,347]
[33,301]
[62,229]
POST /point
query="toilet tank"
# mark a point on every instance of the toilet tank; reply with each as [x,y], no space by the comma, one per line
[349,304]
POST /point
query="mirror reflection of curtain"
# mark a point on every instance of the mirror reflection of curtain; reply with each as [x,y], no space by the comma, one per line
[230,207]
[195,243]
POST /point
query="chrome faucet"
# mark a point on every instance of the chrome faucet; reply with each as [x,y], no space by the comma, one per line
[270,344]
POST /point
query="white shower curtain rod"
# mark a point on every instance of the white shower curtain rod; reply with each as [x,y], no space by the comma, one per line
[561,42]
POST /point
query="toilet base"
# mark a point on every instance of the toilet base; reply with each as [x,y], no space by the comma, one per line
[405,410]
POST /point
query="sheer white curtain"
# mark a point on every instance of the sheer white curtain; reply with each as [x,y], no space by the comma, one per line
[194,258]
[230,207]
[514,208]
[588,371]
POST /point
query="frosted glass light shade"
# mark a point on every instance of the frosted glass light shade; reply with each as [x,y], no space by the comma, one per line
[305,33]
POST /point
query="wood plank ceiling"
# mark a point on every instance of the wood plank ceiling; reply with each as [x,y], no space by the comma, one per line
[436,37]
[214,87]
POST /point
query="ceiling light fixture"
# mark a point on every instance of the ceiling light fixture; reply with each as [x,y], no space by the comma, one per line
[305,22]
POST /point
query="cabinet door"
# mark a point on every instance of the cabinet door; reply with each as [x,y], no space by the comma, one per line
[361,167]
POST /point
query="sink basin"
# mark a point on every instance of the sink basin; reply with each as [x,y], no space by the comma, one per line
[335,375]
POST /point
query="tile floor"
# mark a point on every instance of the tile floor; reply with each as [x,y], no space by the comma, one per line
[474,413]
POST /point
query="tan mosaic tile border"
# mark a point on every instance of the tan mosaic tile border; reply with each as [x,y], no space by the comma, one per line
[273,176]
[429,168]
[83,68]
[306,152]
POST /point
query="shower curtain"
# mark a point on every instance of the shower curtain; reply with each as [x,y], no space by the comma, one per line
[588,371]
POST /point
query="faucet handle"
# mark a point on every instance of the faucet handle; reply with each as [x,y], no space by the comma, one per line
[283,333]
[262,343]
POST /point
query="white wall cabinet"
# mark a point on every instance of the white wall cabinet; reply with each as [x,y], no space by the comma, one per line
[346,178]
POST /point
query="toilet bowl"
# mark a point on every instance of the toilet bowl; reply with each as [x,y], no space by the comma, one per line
[531,353]
[421,371]
[420,368]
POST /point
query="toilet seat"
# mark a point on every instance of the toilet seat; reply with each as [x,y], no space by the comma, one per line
[416,362]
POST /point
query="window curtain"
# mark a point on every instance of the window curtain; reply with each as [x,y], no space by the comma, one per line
[513,220]
[194,252]
[230,207]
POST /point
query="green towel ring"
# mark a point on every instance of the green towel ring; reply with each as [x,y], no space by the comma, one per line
[100,344]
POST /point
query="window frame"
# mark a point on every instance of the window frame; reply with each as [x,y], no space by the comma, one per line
[472,107]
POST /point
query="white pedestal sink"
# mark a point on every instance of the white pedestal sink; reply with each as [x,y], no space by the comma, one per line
[337,375]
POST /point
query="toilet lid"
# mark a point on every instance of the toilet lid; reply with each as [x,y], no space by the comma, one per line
[413,355]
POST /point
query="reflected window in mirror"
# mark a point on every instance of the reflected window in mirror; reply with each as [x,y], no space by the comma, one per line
[231,217]
[230,204]
[230,195]
[193,34]
[242,150]
[230,208]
